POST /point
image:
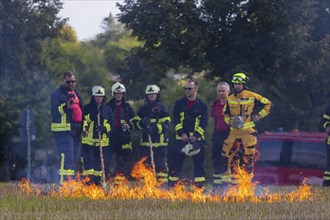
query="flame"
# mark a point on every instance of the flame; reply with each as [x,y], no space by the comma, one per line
[29,188]
[244,188]
[147,187]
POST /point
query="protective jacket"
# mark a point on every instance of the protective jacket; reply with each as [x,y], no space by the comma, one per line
[61,115]
[126,116]
[126,111]
[91,112]
[120,140]
[154,119]
[159,117]
[325,122]
[192,121]
[242,104]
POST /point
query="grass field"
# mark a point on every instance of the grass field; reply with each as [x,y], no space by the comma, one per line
[16,203]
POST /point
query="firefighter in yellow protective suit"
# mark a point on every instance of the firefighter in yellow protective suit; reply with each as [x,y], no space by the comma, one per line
[239,115]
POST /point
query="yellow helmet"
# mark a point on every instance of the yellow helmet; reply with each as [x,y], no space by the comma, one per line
[98,91]
[117,87]
[240,78]
[151,89]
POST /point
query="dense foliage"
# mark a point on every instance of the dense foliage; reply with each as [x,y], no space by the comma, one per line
[282,45]
[24,25]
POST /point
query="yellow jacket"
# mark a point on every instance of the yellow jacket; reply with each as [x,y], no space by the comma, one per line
[243,104]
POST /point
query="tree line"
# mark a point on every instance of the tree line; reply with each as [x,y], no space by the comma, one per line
[283,46]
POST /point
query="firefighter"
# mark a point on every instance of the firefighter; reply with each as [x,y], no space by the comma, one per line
[120,138]
[66,112]
[239,116]
[325,121]
[153,119]
[221,129]
[98,120]
[190,117]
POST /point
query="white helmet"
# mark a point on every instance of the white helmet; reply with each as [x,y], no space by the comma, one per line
[98,91]
[151,89]
[189,150]
[117,87]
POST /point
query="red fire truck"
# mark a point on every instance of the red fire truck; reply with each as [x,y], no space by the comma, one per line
[290,158]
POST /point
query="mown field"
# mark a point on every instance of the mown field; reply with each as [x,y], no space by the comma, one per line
[16,204]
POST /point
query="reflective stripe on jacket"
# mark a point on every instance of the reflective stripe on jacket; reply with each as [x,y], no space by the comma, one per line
[91,120]
[160,120]
[61,115]
[243,104]
[190,121]
[325,121]
[126,112]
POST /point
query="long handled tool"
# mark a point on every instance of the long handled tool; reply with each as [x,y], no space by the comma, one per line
[104,185]
[152,156]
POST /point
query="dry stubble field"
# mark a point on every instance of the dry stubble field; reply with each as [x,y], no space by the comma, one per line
[17,204]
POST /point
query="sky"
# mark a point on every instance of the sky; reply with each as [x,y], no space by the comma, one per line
[86,16]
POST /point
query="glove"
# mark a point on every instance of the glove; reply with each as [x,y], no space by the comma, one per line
[185,137]
[84,133]
[189,150]
[255,118]
[327,130]
[125,137]
[151,129]
[236,122]
[101,128]
[145,122]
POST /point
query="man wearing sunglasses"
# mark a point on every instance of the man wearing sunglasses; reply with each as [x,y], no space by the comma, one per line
[66,111]
[190,117]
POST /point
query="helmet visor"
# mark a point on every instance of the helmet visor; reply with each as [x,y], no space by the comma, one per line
[237,79]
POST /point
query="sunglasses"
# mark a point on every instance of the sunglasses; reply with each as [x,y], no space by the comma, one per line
[187,88]
[70,82]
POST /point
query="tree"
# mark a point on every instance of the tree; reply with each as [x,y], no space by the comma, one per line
[171,32]
[274,42]
[83,58]
[23,26]
[280,44]
[119,48]
[293,61]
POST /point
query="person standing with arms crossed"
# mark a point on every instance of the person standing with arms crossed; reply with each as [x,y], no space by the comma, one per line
[66,111]
[240,116]
[190,118]
[221,129]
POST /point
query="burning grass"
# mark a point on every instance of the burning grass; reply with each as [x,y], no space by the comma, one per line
[147,188]
[146,199]
[16,204]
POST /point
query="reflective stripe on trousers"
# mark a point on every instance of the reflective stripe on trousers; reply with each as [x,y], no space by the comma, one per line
[64,146]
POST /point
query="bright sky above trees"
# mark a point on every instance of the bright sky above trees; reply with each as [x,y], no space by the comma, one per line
[85,16]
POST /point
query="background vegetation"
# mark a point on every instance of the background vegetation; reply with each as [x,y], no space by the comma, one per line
[282,45]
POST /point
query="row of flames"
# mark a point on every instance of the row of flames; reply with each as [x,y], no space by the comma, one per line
[146,187]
